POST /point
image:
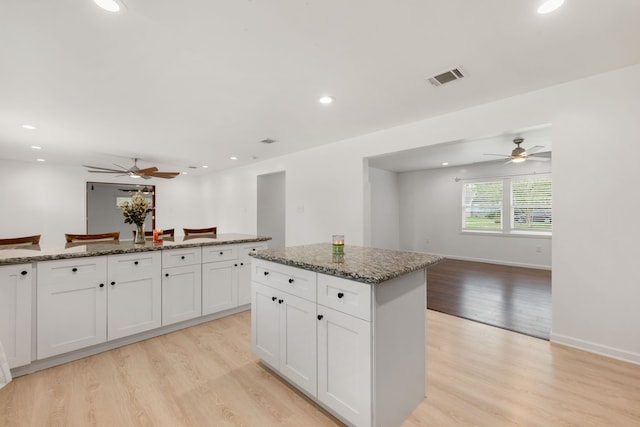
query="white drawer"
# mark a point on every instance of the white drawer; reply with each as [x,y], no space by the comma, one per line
[180,257]
[219,253]
[67,274]
[248,248]
[133,266]
[293,280]
[344,295]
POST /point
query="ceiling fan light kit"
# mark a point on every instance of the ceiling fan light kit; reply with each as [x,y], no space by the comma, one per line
[521,154]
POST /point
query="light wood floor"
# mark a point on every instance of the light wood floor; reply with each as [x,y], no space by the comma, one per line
[206,376]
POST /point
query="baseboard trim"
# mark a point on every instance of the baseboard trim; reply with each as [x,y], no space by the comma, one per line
[592,347]
[498,262]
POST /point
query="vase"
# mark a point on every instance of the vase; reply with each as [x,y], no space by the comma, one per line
[139,234]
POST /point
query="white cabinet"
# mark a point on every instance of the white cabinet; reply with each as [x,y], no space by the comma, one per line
[344,365]
[80,305]
[284,334]
[71,304]
[244,269]
[219,286]
[181,285]
[15,313]
[134,294]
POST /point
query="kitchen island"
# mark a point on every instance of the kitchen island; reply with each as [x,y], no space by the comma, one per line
[351,335]
[63,303]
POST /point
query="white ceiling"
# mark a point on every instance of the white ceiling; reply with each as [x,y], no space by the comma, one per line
[194,82]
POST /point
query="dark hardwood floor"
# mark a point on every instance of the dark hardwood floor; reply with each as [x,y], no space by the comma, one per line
[513,298]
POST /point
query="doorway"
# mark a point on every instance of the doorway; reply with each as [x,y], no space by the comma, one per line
[271,208]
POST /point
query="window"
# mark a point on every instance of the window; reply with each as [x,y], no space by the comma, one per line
[511,204]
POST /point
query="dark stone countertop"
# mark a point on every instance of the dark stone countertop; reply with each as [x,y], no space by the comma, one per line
[26,254]
[361,264]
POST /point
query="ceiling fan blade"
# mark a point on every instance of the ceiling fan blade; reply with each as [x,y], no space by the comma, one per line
[166,175]
[507,162]
[538,159]
[499,155]
[114,171]
[535,149]
[103,169]
[146,171]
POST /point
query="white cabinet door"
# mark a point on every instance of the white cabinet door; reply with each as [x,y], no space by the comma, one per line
[344,365]
[72,304]
[244,281]
[265,324]
[219,286]
[15,313]
[298,341]
[134,294]
[181,293]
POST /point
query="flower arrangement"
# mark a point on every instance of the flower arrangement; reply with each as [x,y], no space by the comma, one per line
[136,211]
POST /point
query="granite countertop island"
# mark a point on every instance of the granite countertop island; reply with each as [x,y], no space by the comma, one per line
[25,254]
[361,264]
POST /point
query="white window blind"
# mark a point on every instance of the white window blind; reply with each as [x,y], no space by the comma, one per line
[482,205]
[531,207]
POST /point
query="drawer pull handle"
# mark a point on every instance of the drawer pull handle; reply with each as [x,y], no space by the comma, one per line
[136,262]
[182,257]
[23,272]
[266,273]
[274,298]
[166,274]
[113,283]
[340,294]
[280,301]
[290,280]
[320,316]
[74,269]
[102,285]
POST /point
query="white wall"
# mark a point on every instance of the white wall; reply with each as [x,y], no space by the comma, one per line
[595,277]
[430,210]
[47,199]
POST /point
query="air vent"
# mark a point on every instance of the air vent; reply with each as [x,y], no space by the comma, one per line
[446,77]
[268,141]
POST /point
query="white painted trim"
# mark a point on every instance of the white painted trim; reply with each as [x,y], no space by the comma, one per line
[498,262]
[592,347]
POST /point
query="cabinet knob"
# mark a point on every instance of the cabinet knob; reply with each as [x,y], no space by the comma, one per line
[135,262]
[254,249]
[266,273]
[113,283]
[166,274]
[23,272]
[221,253]
[280,301]
[74,269]
[320,316]
[235,265]
[340,294]
[290,281]
[182,257]
[274,298]
[242,263]
[102,285]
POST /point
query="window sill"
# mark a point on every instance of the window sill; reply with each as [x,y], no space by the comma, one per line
[513,233]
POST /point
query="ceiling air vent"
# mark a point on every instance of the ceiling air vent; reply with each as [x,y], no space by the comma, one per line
[446,77]
[268,141]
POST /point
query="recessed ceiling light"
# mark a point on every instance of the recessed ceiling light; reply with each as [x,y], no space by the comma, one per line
[205,166]
[184,173]
[549,6]
[35,147]
[233,158]
[30,127]
[109,5]
[325,100]
[445,164]
[39,160]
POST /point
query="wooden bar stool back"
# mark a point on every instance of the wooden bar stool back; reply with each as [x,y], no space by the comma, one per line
[89,238]
[21,241]
[198,231]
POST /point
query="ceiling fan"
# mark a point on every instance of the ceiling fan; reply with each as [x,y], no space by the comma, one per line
[134,171]
[520,154]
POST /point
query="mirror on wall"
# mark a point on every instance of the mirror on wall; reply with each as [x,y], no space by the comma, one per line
[103,213]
